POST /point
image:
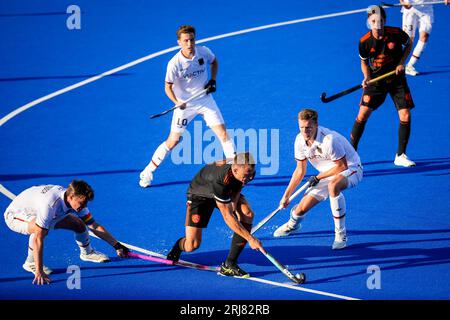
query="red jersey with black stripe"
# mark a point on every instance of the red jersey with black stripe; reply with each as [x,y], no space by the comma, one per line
[383,55]
[215,181]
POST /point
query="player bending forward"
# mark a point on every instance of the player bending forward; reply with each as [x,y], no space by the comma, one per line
[39,209]
[339,168]
[219,185]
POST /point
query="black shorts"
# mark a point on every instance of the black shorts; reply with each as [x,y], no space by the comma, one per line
[374,96]
[199,210]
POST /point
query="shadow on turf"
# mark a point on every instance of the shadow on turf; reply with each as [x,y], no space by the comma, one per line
[423,166]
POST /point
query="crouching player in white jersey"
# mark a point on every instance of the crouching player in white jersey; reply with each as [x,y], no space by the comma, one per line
[39,209]
[417,13]
[186,76]
[339,168]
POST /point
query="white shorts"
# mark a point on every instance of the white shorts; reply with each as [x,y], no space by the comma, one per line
[205,106]
[413,17]
[320,191]
[17,220]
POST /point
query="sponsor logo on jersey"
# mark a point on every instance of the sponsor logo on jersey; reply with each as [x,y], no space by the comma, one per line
[195,218]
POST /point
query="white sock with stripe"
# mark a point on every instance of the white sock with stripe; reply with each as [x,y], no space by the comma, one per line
[83,241]
[418,50]
[294,220]
[160,154]
[338,210]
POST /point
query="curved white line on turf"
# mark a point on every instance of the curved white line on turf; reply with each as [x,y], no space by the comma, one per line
[159,53]
[33,103]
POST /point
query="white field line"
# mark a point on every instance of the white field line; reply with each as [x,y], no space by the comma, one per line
[33,103]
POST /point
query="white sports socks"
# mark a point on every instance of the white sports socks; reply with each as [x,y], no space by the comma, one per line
[418,50]
[338,210]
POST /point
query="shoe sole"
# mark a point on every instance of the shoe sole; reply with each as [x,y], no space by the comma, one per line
[239,277]
[96,261]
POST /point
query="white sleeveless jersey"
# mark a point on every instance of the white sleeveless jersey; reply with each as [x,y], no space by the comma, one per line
[328,147]
[189,76]
[45,203]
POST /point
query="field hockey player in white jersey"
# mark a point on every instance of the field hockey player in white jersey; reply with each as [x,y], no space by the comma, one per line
[186,76]
[339,168]
[417,13]
[39,209]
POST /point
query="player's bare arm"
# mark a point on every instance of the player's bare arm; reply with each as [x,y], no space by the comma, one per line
[214,69]
[168,87]
[40,276]
[103,234]
[296,178]
[340,166]
[366,73]
[226,209]
[401,66]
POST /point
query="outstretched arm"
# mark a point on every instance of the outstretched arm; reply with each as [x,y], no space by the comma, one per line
[104,234]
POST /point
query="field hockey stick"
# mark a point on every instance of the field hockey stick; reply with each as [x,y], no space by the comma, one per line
[411,4]
[270,216]
[299,278]
[172,263]
[350,90]
[195,96]
[157,257]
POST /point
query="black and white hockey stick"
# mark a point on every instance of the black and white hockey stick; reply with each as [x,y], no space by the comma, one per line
[195,96]
[270,216]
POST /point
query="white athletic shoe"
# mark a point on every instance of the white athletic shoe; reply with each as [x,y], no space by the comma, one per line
[94,256]
[146,179]
[286,230]
[403,161]
[410,70]
[31,267]
[340,241]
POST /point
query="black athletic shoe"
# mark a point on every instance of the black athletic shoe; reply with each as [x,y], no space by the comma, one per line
[232,270]
[174,254]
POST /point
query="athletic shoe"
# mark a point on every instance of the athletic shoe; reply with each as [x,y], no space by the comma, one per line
[410,70]
[232,270]
[403,161]
[94,256]
[174,254]
[146,179]
[286,229]
[340,241]
[31,267]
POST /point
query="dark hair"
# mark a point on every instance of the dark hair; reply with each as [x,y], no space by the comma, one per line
[308,114]
[185,29]
[81,188]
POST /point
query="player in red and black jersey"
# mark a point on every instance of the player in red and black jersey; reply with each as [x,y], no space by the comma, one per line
[382,50]
[219,185]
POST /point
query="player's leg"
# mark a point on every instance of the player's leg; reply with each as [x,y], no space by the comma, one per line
[75,224]
[372,98]
[298,212]
[338,210]
[245,216]
[401,96]
[214,120]
[409,23]
[198,213]
[425,26]
[346,179]
[23,222]
[180,121]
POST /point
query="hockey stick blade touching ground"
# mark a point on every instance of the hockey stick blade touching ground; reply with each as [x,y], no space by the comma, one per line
[298,278]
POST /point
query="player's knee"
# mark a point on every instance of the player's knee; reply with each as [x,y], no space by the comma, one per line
[190,246]
[405,115]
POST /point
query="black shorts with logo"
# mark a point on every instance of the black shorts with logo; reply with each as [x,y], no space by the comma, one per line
[199,210]
[374,95]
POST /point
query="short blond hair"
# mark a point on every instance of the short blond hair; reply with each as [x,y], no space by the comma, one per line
[308,114]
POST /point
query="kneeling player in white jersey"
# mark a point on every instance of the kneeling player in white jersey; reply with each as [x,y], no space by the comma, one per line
[187,76]
[417,13]
[39,209]
[339,168]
